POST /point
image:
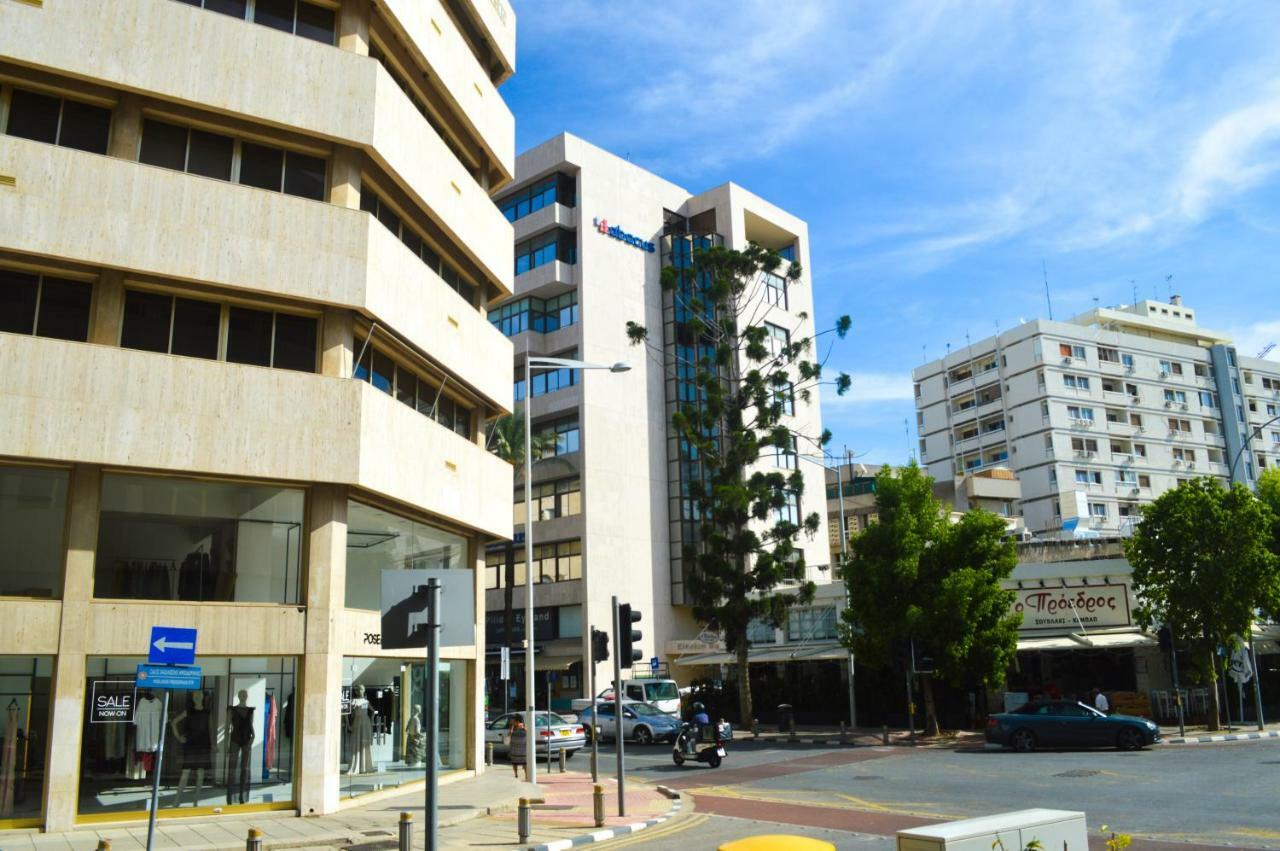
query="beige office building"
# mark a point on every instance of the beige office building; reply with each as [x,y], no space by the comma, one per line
[592,235]
[246,251]
[1096,415]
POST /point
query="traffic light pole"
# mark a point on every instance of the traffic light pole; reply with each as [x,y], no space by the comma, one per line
[618,728]
[591,696]
[1177,692]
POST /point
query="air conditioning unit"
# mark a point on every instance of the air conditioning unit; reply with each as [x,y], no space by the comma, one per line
[1135,400]
[1191,465]
[1168,403]
[1129,369]
[1134,491]
[1183,406]
[1067,359]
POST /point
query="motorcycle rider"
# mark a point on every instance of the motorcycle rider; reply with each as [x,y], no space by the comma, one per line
[697,719]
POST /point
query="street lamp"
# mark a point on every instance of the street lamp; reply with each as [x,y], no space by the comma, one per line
[530,364]
[1244,445]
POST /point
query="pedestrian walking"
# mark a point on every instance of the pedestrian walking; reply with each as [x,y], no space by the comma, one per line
[517,740]
[1100,702]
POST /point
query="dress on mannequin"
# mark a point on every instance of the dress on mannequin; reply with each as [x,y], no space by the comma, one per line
[240,750]
[195,743]
[415,749]
[9,759]
[361,734]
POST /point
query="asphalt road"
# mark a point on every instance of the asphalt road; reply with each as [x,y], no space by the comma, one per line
[858,797]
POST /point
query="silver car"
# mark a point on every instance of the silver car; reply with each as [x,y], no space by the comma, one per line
[554,733]
[642,723]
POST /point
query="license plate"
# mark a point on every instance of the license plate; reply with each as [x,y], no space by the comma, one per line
[564,732]
[719,751]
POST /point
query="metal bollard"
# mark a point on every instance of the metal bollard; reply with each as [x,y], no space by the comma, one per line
[562,756]
[488,753]
[253,842]
[524,818]
[406,832]
[884,734]
[755,728]
[597,800]
[844,734]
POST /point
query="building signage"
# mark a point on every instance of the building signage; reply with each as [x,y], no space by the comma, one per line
[169,677]
[1068,609]
[112,702]
[546,624]
[603,226]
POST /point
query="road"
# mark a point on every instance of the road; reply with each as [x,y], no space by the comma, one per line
[1211,795]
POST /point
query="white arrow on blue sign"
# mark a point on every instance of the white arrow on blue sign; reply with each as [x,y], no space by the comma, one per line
[172,645]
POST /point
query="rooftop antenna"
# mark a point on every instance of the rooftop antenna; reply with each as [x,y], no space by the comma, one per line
[1168,285]
[1266,350]
[1044,270]
[924,354]
[911,450]
[1135,290]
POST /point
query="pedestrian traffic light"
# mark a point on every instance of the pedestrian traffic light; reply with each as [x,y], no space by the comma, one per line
[1166,639]
[599,645]
[627,637]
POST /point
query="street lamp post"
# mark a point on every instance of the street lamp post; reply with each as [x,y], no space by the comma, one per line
[1244,445]
[530,364]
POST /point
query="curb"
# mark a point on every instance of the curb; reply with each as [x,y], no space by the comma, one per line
[1228,737]
[614,832]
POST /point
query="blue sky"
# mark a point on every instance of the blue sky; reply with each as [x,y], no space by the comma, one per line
[941,152]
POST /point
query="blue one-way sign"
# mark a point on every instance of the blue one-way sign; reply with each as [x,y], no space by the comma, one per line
[171,645]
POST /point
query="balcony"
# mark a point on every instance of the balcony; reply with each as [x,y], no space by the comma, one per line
[496,21]
[992,484]
[81,403]
[197,57]
[552,215]
[549,279]
[124,215]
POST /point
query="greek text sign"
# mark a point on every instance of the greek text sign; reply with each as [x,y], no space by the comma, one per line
[1067,609]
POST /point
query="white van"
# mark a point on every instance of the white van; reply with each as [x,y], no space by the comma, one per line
[664,694]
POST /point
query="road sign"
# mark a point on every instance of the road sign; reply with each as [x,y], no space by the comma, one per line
[161,677]
[653,664]
[1240,668]
[506,664]
[404,608]
[171,645]
[517,538]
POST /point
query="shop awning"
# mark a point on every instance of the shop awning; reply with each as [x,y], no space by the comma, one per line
[552,663]
[1089,641]
[782,653]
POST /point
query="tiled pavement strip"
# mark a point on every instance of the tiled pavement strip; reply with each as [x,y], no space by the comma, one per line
[476,812]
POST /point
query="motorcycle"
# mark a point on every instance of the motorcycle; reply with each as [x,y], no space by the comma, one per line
[688,747]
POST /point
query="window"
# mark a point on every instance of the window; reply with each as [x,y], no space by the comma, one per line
[1131,389]
[1275,438]
[567,434]
[291,16]
[1080,444]
[1180,426]
[1126,477]
[789,511]
[777,338]
[775,290]
[225,158]
[786,396]
[1144,481]
[761,632]
[411,389]
[33,507]
[557,562]
[1183,454]
[1210,400]
[1271,410]
[1107,355]
[1077,413]
[199,541]
[268,338]
[44,306]
[1068,350]
[1097,509]
[1088,477]
[561,498]
[536,314]
[1170,367]
[556,189]
[158,322]
[786,456]
[1140,450]
[1126,360]
[811,624]
[379,540]
[788,253]
[1078,382]
[1135,420]
[549,380]
[371,203]
[557,244]
[1178,397]
[57,121]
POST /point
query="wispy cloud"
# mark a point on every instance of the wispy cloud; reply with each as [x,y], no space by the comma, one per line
[875,387]
[1251,339]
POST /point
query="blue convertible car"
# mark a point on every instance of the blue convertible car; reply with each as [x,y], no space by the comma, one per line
[1062,723]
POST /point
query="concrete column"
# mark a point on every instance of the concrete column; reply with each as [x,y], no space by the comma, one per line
[126,128]
[337,343]
[108,308]
[62,776]
[353,26]
[344,177]
[317,787]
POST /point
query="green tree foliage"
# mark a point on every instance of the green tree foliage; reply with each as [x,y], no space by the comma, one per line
[1203,565]
[745,382]
[1269,493]
[913,574]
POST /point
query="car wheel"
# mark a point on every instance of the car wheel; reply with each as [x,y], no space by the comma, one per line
[677,758]
[643,735]
[568,754]
[589,731]
[1130,739]
[1023,741]
[714,760]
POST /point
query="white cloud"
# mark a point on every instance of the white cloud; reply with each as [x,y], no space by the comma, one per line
[875,387]
[1236,153]
[1251,339]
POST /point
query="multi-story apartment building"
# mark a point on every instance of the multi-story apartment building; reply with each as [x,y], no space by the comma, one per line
[851,501]
[1097,415]
[592,235]
[246,250]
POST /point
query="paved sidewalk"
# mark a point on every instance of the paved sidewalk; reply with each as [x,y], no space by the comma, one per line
[1198,735]
[862,736]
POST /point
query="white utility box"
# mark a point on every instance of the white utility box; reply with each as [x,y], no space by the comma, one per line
[1056,830]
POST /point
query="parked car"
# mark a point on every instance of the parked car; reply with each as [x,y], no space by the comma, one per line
[662,693]
[554,733]
[1063,723]
[642,723]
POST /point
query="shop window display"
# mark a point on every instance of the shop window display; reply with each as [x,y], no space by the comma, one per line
[24,722]
[183,539]
[383,722]
[378,540]
[33,508]
[230,743]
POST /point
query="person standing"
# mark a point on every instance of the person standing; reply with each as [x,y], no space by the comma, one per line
[1100,701]
[517,738]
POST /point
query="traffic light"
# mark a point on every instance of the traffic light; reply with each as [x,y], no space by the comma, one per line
[1166,639]
[599,645]
[627,637]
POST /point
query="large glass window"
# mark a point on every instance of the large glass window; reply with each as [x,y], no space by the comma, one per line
[230,743]
[421,394]
[557,244]
[33,508]
[44,305]
[227,158]
[566,432]
[185,539]
[378,540]
[549,380]
[69,123]
[561,498]
[559,561]
[292,16]
[556,189]
[811,624]
[384,742]
[24,737]
[536,314]
[391,220]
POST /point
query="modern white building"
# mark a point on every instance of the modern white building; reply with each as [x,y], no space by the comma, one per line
[592,234]
[246,251]
[1096,415]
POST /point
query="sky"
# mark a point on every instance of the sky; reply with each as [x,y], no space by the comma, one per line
[948,157]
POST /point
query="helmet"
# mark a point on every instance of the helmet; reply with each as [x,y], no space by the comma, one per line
[698,707]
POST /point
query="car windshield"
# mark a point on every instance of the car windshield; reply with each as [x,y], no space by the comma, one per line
[546,719]
[662,691]
[644,709]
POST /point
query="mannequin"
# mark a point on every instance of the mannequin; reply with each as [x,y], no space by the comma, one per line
[9,759]
[414,748]
[361,734]
[240,736]
[191,730]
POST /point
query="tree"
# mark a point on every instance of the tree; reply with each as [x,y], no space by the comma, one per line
[506,440]
[1269,493]
[1202,565]
[914,575]
[737,381]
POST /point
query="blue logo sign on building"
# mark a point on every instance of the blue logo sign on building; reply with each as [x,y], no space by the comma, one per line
[603,226]
[171,645]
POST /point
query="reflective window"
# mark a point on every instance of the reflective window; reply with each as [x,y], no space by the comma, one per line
[423,395]
[557,244]
[231,743]
[378,540]
[561,498]
[556,189]
[292,16]
[33,508]
[25,683]
[267,338]
[384,743]
[44,305]
[69,123]
[536,314]
[560,561]
[158,322]
[184,539]
[382,211]
[567,435]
